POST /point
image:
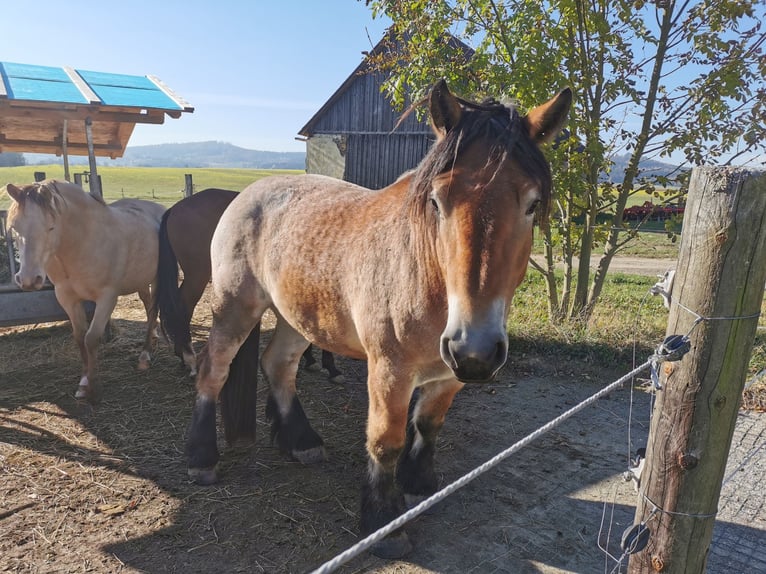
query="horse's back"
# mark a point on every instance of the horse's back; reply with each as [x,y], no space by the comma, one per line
[299,244]
[132,234]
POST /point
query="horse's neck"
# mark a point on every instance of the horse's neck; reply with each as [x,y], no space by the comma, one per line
[82,217]
[412,243]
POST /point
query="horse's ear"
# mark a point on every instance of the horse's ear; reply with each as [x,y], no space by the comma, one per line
[445,109]
[16,193]
[545,121]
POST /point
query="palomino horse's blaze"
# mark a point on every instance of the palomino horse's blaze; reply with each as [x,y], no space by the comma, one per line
[416,278]
[91,252]
[185,234]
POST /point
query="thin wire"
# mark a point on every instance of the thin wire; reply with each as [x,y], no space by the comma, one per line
[366,543]
[658,508]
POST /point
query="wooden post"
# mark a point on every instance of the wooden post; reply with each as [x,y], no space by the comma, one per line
[188,185]
[720,274]
[94,181]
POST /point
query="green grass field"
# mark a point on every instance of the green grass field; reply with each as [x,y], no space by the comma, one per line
[161,184]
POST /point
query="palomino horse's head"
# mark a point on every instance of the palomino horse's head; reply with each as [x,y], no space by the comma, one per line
[479,190]
[33,217]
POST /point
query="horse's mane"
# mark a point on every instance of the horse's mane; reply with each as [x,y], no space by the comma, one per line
[506,134]
[51,202]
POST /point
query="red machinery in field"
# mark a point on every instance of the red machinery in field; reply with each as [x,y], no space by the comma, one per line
[652,212]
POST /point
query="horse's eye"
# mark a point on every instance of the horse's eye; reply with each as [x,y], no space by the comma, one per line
[435,205]
[533,208]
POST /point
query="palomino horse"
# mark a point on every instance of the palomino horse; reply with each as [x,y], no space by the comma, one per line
[416,278]
[91,252]
[185,234]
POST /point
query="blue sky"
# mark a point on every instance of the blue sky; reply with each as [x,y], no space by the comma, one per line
[255,70]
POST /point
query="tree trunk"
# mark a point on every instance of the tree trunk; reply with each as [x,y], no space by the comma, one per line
[720,274]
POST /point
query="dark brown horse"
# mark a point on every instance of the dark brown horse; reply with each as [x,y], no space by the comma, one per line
[185,233]
[416,278]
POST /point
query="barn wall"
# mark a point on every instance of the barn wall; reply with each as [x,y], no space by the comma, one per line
[326,155]
[377,160]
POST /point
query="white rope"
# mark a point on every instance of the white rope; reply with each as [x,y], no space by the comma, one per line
[362,545]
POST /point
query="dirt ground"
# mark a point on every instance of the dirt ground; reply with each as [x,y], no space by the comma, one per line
[105,489]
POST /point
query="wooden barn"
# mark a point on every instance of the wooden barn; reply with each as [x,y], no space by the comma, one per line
[352,135]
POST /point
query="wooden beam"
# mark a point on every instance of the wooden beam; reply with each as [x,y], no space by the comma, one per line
[25,112]
[185,106]
[55,146]
[82,85]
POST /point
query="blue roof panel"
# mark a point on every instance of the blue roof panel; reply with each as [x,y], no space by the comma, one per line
[50,84]
[122,90]
[40,83]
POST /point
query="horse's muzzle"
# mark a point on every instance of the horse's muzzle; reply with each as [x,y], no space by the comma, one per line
[474,363]
[29,284]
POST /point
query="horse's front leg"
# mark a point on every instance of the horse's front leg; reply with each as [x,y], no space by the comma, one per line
[75,310]
[382,499]
[147,298]
[290,425]
[90,386]
[416,473]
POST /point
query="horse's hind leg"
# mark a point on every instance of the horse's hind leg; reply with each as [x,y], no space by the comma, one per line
[231,327]
[415,473]
[191,290]
[147,298]
[290,426]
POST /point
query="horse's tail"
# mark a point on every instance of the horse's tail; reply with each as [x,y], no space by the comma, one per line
[239,393]
[168,295]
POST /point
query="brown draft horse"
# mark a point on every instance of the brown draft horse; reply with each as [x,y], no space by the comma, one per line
[185,234]
[416,278]
[91,252]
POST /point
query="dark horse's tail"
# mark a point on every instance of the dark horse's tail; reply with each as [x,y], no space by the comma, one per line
[239,393]
[168,295]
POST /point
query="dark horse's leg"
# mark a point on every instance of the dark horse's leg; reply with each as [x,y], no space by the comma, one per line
[290,426]
[416,474]
[328,363]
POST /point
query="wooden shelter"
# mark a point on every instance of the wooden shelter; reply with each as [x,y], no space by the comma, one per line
[64,111]
[352,136]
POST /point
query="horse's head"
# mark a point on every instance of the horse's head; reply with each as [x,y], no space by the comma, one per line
[33,218]
[480,187]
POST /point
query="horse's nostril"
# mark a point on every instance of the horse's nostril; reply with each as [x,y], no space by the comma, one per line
[446,353]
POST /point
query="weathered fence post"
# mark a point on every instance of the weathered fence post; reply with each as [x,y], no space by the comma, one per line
[188,185]
[720,275]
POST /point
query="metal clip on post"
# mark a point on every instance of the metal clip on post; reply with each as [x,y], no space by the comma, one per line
[673,348]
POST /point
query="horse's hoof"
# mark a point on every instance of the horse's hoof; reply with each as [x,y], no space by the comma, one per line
[144,361]
[337,379]
[313,367]
[393,546]
[203,476]
[310,456]
[412,500]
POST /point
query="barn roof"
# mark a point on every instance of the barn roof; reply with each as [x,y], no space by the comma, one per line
[389,42]
[42,108]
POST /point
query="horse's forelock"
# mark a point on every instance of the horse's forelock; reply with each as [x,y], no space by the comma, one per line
[48,202]
[503,129]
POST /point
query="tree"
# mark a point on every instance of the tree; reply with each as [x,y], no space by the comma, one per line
[669,78]
[9,159]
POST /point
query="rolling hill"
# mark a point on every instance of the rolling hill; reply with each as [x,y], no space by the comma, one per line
[197,154]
